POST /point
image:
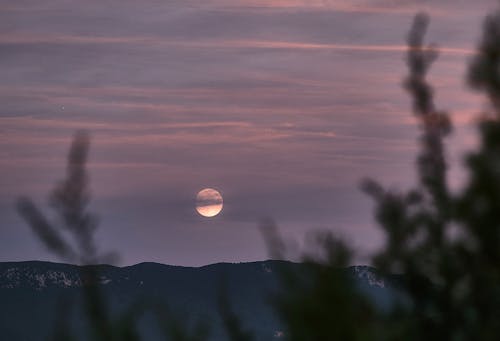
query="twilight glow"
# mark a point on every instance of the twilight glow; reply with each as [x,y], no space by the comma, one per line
[282,105]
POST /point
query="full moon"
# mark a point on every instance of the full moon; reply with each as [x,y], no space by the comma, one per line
[208,202]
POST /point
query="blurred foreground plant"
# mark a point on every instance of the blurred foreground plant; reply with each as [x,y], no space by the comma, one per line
[71,237]
[446,244]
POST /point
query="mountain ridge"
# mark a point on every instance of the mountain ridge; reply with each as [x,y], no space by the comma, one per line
[30,291]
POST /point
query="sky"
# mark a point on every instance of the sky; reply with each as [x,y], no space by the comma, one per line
[281,105]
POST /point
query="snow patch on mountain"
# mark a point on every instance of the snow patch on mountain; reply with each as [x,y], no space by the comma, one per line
[369,275]
[17,277]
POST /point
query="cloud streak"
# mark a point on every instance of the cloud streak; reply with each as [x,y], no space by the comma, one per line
[158,42]
[283,105]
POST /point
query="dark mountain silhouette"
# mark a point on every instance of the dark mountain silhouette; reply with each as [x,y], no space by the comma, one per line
[37,297]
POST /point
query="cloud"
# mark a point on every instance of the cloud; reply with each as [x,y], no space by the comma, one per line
[283,105]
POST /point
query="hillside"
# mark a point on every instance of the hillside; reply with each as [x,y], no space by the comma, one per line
[38,296]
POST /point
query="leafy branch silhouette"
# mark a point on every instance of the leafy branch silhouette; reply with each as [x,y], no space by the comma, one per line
[72,238]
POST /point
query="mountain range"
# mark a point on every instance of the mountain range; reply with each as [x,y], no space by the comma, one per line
[38,297]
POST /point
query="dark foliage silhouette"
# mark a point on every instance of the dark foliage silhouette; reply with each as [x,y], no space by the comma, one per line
[232,323]
[72,238]
[70,199]
[320,302]
[447,244]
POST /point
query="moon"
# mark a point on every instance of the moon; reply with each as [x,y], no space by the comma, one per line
[209,202]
